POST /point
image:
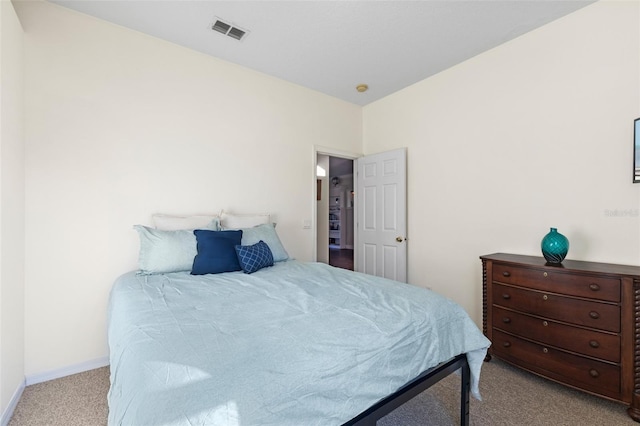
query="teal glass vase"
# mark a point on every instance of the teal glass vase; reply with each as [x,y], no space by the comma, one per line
[554,246]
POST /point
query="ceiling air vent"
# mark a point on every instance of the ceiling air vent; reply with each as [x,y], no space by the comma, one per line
[228,30]
[236,33]
[221,27]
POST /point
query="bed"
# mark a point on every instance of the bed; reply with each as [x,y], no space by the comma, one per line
[297,343]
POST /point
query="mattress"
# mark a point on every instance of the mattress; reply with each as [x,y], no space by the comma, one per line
[294,344]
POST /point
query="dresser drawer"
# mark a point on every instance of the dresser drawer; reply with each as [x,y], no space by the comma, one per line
[581,285]
[593,343]
[595,376]
[588,313]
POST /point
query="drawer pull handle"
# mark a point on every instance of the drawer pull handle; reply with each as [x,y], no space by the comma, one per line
[544,274]
[506,274]
[594,315]
[545,350]
[506,344]
[506,320]
[506,296]
[594,344]
[594,286]
[545,297]
[594,373]
[545,323]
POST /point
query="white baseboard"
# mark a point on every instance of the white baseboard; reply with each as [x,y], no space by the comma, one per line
[67,371]
[6,415]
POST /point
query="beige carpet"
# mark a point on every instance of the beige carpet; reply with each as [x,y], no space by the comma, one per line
[510,397]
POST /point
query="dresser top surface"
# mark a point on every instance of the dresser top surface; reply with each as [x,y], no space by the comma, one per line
[566,265]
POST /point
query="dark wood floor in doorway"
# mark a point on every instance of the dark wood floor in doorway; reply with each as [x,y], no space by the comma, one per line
[341,258]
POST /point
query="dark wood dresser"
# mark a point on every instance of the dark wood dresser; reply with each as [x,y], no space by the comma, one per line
[577,323]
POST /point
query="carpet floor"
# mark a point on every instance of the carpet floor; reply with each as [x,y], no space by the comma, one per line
[510,397]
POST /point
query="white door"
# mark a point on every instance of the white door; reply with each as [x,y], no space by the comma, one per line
[381,210]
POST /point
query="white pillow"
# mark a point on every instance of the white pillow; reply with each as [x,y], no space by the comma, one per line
[175,223]
[239,221]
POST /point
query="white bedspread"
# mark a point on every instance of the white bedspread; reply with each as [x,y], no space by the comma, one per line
[293,344]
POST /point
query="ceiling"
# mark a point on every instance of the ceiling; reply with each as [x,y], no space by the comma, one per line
[332,46]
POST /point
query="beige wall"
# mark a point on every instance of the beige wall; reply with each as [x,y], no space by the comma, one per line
[11,208]
[536,133]
[322,211]
[119,126]
[533,134]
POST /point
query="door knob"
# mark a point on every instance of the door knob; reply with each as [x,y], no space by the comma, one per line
[399,239]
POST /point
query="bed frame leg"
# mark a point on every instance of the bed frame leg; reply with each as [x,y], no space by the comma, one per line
[464,395]
[370,416]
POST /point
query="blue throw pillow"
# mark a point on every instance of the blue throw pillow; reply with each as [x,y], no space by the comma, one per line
[216,252]
[254,257]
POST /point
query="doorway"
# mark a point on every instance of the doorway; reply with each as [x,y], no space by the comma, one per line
[379,232]
[335,212]
[341,217]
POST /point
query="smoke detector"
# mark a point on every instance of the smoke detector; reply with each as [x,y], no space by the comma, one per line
[228,29]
